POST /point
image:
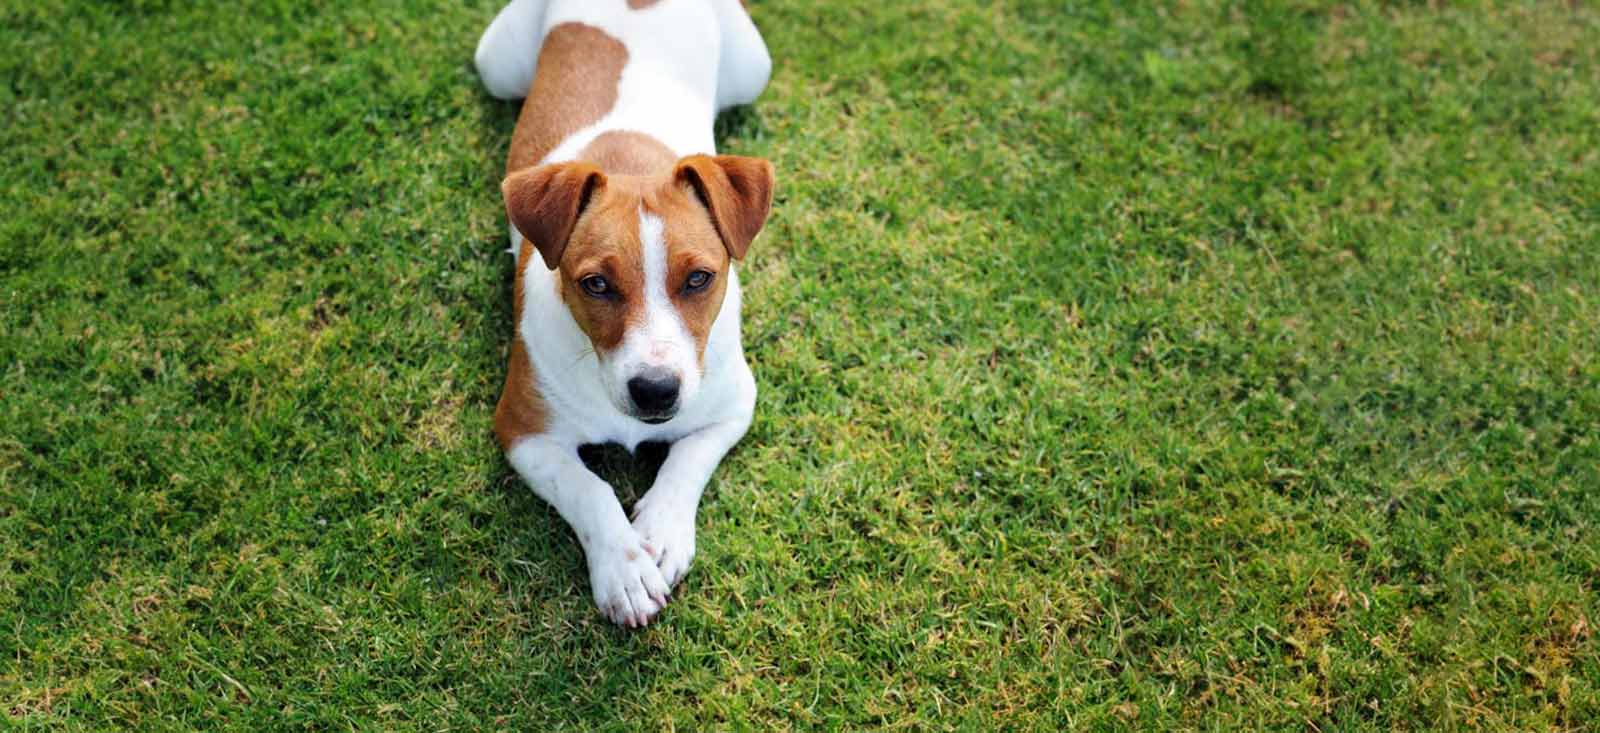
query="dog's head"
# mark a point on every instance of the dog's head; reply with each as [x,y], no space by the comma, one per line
[642,263]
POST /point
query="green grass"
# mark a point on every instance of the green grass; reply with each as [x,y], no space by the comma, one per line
[1190,365]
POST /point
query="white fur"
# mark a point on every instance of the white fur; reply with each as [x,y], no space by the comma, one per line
[508,51]
[672,85]
[627,585]
[745,65]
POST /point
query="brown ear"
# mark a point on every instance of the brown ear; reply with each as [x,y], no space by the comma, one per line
[544,203]
[736,190]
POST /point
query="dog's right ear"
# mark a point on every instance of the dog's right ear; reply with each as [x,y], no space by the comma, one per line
[544,203]
[736,191]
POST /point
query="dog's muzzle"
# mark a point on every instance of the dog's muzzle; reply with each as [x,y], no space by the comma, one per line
[654,393]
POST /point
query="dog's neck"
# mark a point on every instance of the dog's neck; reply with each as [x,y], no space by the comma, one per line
[625,152]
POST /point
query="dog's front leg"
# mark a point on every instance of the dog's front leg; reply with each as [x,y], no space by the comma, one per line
[664,516]
[628,586]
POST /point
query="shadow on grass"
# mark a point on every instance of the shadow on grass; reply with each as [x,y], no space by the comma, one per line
[742,122]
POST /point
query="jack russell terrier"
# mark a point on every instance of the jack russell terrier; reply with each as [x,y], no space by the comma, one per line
[626,227]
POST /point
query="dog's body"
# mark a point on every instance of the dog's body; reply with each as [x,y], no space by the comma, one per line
[626,299]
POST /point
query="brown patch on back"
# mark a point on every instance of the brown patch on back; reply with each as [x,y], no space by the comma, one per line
[625,152]
[575,85]
[641,5]
[521,410]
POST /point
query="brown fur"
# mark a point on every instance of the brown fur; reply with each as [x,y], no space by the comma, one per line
[628,152]
[521,411]
[737,191]
[605,242]
[544,203]
[692,244]
[602,234]
[641,4]
[575,85]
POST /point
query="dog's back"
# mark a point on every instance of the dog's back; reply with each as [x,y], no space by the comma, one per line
[591,66]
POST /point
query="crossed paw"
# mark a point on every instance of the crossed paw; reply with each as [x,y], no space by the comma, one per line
[633,571]
[667,527]
[628,587]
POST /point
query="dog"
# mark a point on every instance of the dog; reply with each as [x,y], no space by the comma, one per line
[626,227]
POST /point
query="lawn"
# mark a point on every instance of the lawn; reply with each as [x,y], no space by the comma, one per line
[1183,365]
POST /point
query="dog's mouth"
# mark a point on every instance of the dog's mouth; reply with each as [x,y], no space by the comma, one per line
[653,419]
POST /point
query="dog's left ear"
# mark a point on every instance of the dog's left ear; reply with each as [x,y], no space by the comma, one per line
[736,190]
[544,203]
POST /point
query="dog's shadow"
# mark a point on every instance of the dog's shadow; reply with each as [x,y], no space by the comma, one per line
[739,123]
[629,474]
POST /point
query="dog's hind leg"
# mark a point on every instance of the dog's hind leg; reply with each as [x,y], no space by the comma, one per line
[509,49]
[744,65]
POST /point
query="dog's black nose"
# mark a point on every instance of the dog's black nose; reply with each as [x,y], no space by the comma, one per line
[654,392]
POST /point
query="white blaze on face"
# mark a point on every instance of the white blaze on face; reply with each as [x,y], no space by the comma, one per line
[661,341]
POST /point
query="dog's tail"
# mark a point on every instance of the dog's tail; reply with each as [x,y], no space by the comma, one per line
[509,49]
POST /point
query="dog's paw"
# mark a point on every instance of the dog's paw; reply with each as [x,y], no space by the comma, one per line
[628,587]
[670,530]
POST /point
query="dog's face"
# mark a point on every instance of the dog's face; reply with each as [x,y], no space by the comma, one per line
[643,263]
[645,285]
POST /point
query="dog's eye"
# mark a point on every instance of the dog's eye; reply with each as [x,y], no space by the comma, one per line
[698,280]
[595,285]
